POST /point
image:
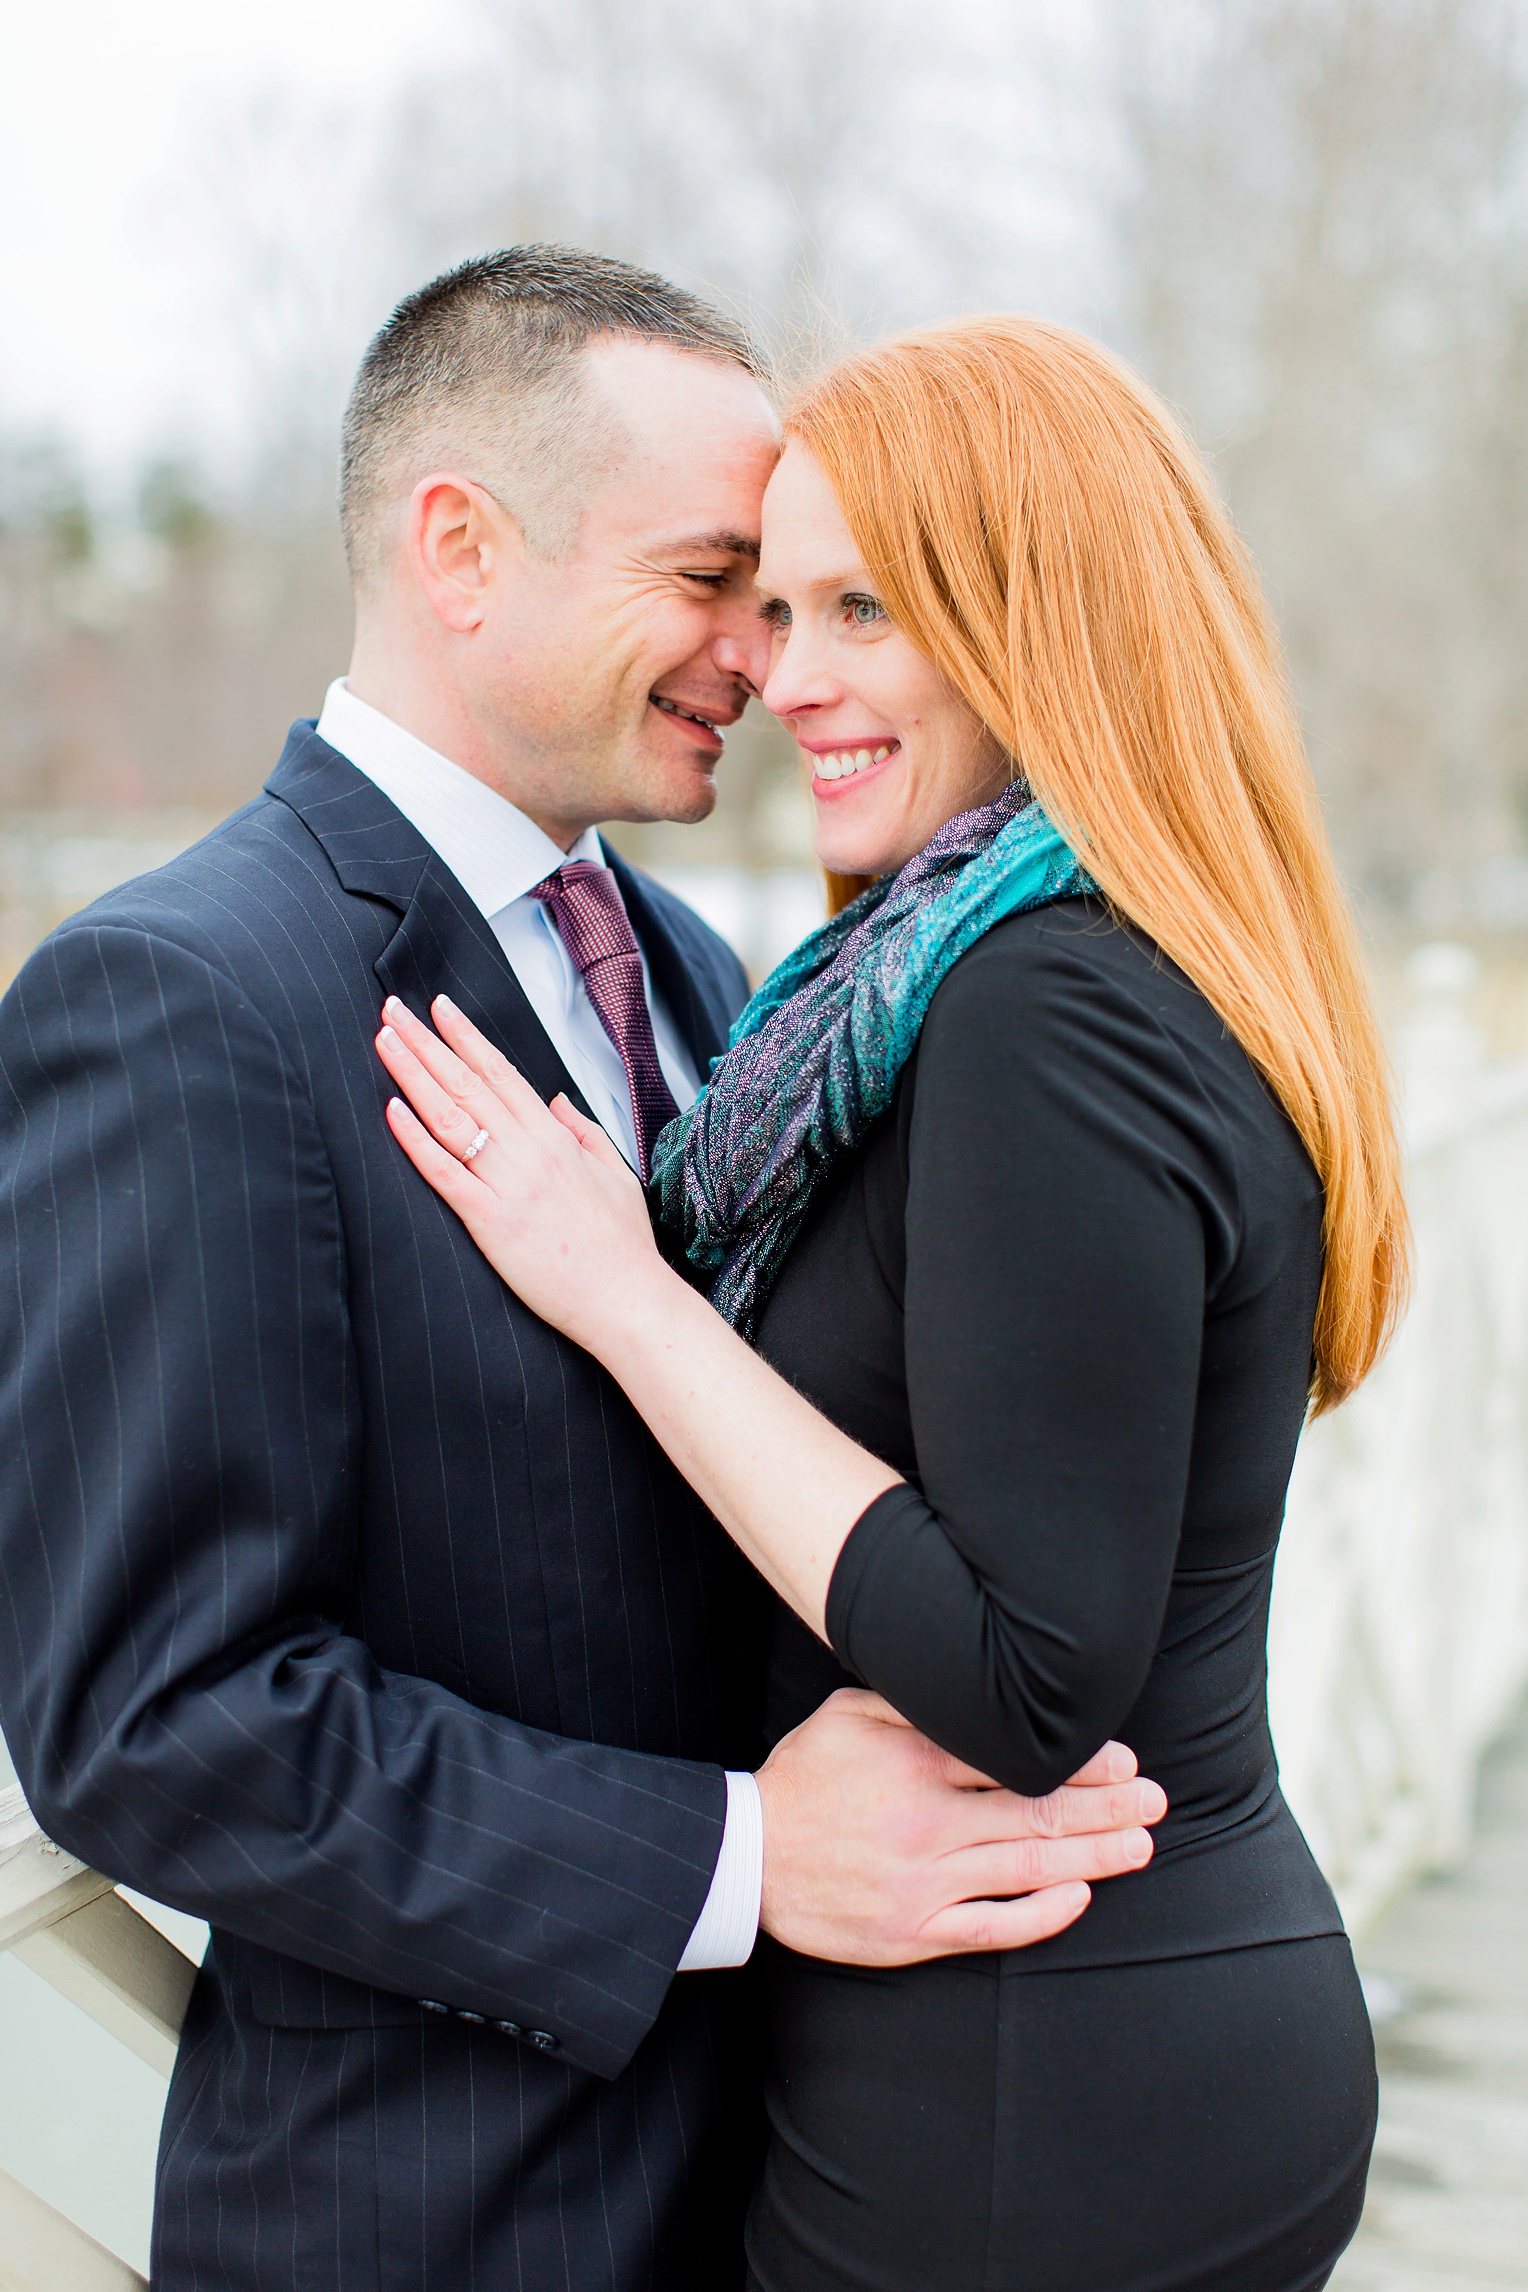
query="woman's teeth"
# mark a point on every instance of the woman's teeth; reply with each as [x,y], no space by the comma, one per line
[844,761]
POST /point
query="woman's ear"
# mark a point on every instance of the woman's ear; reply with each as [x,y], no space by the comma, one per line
[462,546]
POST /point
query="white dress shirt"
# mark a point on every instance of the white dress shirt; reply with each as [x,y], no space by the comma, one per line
[496,855]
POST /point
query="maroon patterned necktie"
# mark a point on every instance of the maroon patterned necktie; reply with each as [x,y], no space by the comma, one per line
[586,906]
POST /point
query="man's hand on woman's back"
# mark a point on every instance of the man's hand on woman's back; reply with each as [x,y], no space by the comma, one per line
[880,1849]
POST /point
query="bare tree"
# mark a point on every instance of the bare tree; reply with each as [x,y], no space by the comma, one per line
[1321,258]
[1304,218]
[815,166]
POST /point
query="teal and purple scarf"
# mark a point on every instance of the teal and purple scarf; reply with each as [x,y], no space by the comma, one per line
[812,1061]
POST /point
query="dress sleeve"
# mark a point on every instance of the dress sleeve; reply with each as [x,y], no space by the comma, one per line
[1069,1194]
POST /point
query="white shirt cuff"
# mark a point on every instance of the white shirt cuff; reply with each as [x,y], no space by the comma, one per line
[728,1925]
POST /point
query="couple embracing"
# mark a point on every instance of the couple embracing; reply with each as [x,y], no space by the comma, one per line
[611,1538]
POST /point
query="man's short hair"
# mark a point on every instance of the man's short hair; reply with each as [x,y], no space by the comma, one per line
[482,369]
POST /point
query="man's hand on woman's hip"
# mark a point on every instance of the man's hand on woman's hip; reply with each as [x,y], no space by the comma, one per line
[880,1849]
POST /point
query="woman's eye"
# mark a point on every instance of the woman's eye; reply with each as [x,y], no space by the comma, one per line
[864,612]
[776,612]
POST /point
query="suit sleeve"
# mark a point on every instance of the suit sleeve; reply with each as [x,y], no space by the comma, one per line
[179,1451]
[1063,1181]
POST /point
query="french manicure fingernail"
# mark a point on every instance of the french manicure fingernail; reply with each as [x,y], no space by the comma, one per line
[444,1003]
[390,1037]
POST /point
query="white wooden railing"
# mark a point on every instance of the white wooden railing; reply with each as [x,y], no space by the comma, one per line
[71,1926]
[1399,1638]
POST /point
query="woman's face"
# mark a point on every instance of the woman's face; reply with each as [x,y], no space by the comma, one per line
[894,750]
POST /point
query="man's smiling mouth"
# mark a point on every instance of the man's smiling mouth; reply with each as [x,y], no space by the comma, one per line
[672,708]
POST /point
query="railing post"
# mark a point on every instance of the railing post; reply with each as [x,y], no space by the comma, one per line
[41,2251]
[119,1969]
[70,1925]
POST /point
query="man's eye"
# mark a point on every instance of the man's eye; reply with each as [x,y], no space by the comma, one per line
[776,612]
[708,580]
[864,612]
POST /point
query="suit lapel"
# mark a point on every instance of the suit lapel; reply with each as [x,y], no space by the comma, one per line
[443,942]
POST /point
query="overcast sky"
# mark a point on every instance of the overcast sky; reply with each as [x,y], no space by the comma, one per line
[195,229]
[101,111]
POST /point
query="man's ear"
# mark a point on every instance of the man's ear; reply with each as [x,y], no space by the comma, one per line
[462,546]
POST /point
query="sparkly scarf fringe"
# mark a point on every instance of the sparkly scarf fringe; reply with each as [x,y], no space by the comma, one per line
[813,1060]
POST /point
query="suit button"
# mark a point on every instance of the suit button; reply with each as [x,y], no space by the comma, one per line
[433,2005]
[542,2038]
[477,2019]
[509,2029]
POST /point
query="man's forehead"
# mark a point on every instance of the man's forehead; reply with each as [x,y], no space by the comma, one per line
[699,441]
[676,405]
[696,506]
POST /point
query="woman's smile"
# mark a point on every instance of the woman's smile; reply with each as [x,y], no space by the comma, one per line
[838,768]
[842,673]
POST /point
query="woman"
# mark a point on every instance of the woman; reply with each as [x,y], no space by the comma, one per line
[1048,1200]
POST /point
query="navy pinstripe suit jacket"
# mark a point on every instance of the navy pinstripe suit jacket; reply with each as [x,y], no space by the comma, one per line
[348,1607]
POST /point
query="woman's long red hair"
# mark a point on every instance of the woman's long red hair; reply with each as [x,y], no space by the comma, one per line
[1043,532]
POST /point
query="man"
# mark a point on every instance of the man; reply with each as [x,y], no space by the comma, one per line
[346,1605]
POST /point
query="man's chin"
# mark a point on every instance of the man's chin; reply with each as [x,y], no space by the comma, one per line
[681,797]
[697,804]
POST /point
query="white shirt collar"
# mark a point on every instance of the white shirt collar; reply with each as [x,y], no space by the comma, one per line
[495,853]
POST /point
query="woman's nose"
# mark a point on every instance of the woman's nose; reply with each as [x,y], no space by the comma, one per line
[798,679]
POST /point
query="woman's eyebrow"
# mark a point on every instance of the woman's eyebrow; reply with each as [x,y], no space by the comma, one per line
[854,579]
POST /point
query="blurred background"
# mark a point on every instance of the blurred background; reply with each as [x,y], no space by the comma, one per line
[1307,222]
[1304,219]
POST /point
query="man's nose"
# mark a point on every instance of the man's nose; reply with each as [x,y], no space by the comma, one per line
[742,650]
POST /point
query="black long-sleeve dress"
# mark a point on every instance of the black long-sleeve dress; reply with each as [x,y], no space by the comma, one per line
[1067,1288]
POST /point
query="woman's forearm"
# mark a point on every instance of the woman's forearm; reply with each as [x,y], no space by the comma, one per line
[785,1484]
